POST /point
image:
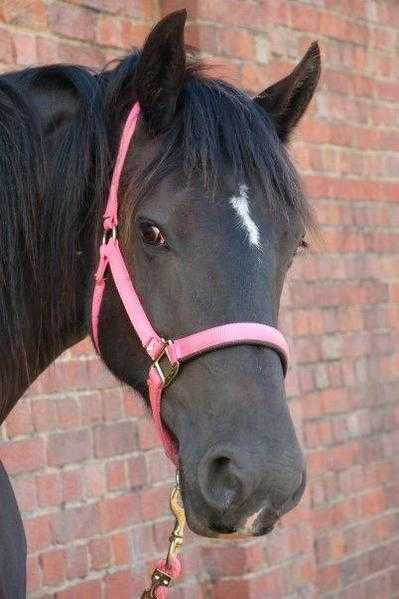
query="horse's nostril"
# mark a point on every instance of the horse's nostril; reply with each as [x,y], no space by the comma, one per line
[223,469]
[221,481]
[221,463]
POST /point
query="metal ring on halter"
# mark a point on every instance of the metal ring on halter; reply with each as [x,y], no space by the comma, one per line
[172,367]
[107,236]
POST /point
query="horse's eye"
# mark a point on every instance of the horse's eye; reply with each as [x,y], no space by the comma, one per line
[151,234]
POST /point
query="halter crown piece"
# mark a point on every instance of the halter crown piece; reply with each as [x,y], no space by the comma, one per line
[166,355]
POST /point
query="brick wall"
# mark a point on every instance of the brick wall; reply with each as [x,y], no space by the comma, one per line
[85,463]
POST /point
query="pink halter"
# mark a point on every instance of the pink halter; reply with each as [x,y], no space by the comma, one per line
[166,355]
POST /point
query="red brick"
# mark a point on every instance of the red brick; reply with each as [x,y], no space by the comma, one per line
[373,503]
[44,414]
[100,552]
[94,480]
[109,31]
[137,471]
[83,590]
[25,49]
[84,347]
[395,292]
[38,533]
[46,50]
[72,21]
[328,578]
[119,512]
[91,408]
[147,539]
[16,13]
[113,405]
[77,562]
[79,374]
[76,523]
[26,493]
[232,588]
[120,585]
[68,413]
[116,475]
[72,488]
[49,489]
[232,561]
[308,322]
[342,456]
[53,567]
[114,439]
[133,404]
[305,17]
[154,502]
[121,549]
[91,57]
[141,9]
[32,574]
[19,421]
[159,468]
[23,456]
[70,447]
[6,47]
[148,436]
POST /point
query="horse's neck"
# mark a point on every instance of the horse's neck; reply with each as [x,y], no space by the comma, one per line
[42,342]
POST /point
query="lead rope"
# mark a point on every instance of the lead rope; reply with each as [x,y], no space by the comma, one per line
[169,568]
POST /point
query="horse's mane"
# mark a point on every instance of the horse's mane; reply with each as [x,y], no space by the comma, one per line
[47,199]
[21,163]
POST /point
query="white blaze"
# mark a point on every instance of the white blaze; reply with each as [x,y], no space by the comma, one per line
[241,206]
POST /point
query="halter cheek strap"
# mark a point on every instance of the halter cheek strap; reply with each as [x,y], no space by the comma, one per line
[166,356]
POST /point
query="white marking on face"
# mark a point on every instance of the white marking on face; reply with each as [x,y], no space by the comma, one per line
[245,532]
[251,521]
[241,206]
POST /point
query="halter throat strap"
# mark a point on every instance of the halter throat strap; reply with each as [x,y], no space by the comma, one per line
[166,355]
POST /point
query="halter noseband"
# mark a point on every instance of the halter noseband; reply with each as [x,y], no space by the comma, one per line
[166,355]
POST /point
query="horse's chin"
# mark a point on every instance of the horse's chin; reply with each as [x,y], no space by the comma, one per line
[244,533]
[257,525]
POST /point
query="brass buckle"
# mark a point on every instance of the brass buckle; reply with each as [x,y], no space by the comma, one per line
[167,372]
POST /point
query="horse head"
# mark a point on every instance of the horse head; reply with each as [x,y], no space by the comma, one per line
[211,216]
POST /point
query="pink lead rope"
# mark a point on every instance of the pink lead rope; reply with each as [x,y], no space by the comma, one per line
[165,355]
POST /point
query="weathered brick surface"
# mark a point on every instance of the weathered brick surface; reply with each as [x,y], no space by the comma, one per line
[84,460]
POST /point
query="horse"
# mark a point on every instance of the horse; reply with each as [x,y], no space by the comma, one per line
[211,216]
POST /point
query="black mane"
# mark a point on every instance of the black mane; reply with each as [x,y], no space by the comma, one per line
[54,175]
[21,192]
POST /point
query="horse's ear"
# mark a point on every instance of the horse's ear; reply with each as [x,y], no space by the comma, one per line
[287,100]
[161,70]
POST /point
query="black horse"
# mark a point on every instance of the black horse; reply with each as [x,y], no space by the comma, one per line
[212,214]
